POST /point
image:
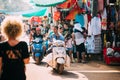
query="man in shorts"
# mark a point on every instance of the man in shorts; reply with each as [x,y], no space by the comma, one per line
[78,37]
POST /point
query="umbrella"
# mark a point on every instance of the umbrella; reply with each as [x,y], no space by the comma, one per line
[36,13]
[47,3]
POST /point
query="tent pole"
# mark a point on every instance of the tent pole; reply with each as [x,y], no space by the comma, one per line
[51,15]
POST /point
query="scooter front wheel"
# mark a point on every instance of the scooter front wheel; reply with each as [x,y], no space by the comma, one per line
[37,60]
[60,68]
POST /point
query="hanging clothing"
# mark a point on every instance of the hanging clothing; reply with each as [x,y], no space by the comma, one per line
[90,45]
[89,17]
[85,21]
[104,20]
[96,26]
[100,5]
[89,29]
[107,2]
[80,19]
[80,2]
[113,14]
[104,14]
[98,44]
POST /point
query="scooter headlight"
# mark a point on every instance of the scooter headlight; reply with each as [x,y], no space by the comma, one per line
[60,60]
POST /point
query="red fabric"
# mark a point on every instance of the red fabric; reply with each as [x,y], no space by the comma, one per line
[71,15]
[100,5]
[66,4]
[56,15]
[113,59]
[36,19]
[88,3]
[89,17]
[73,12]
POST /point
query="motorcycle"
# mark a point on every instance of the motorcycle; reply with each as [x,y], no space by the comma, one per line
[58,59]
[37,50]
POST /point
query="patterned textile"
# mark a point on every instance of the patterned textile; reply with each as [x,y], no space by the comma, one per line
[98,44]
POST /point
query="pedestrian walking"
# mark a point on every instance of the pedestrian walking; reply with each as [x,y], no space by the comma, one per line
[78,38]
[13,53]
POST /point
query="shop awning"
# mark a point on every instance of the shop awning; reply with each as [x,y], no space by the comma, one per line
[47,3]
[36,13]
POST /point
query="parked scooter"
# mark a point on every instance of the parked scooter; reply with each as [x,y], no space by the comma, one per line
[58,59]
[37,50]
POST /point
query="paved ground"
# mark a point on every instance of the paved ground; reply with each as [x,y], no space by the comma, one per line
[41,72]
[102,75]
[94,70]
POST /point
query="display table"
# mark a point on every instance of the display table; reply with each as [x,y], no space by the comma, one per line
[111,59]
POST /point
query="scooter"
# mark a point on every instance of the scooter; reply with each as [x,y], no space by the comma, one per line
[37,50]
[58,59]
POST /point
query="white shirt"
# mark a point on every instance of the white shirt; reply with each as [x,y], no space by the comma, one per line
[79,38]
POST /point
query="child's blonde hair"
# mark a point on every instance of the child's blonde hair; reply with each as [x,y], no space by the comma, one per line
[12,27]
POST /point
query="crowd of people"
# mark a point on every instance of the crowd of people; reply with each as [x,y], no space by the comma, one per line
[14,53]
[72,35]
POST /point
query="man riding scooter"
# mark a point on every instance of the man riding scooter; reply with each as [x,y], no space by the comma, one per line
[55,35]
[57,57]
[37,46]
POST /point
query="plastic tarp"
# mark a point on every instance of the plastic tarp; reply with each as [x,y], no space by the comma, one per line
[47,3]
[36,13]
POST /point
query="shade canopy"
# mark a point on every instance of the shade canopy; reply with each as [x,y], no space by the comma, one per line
[47,3]
[36,13]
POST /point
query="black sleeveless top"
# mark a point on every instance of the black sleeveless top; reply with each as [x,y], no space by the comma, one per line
[12,58]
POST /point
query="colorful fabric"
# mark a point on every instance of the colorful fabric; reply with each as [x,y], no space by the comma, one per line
[80,19]
[100,5]
[56,16]
[98,44]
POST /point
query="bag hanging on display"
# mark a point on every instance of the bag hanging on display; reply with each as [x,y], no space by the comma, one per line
[90,46]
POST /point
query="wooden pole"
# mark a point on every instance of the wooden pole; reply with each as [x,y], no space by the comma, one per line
[51,15]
